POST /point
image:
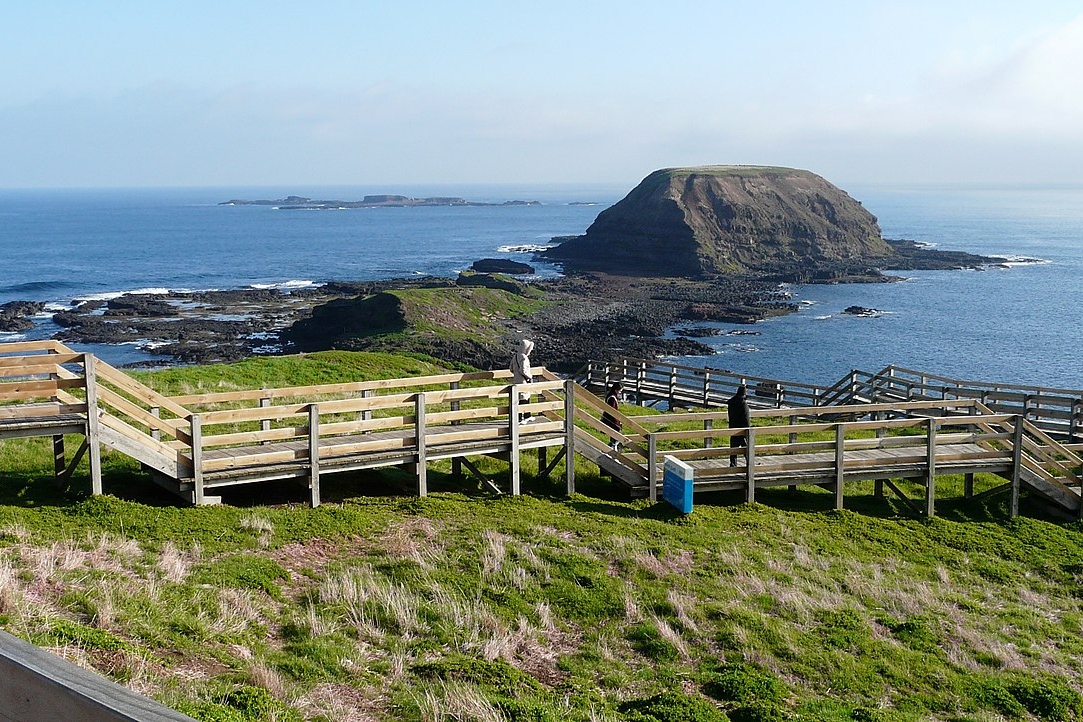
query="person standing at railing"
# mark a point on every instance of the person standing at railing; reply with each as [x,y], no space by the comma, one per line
[739,418]
[612,400]
[521,372]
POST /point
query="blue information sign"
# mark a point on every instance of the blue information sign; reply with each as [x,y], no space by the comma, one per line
[677,484]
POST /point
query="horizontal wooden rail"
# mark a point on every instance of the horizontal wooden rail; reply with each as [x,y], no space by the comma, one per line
[318,390]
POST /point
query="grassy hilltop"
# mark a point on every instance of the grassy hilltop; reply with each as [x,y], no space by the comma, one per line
[466,606]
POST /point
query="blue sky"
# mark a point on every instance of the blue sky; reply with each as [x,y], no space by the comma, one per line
[232,93]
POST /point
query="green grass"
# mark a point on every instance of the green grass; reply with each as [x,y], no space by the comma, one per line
[464,605]
[463,312]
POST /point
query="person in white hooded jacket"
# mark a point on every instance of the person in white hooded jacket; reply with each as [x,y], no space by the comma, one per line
[520,367]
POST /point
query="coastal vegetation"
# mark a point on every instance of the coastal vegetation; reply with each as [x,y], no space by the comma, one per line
[468,606]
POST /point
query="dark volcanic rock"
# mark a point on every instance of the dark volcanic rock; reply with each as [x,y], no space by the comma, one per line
[728,219]
[15,315]
[491,280]
[501,265]
[139,305]
[914,256]
[862,311]
[345,318]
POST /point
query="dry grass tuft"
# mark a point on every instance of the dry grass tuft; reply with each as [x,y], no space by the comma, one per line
[262,527]
[265,676]
[173,563]
[456,702]
[416,539]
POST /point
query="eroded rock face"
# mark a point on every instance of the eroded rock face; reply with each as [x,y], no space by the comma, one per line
[715,220]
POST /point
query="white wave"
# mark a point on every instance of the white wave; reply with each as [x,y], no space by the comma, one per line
[6,336]
[285,285]
[52,308]
[744,347]
[806,302]
[522,248]
[1023,261]
[109,295]
[822,318]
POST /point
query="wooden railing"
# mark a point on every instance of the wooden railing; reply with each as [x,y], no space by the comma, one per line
[33,378]
[653,382]
[415,418]
[918,439]
[237,436]
[1057,411]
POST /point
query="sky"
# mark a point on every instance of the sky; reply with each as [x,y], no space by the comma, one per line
[237,93]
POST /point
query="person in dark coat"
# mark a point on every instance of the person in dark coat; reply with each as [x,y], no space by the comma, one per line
[612,399]
[739,418]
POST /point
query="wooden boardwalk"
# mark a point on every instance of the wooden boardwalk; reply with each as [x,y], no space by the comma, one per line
[1059,412]
[198,444]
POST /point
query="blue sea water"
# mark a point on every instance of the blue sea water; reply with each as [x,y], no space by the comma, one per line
[1018,324]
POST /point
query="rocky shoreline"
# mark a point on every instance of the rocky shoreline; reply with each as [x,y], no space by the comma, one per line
[580,316]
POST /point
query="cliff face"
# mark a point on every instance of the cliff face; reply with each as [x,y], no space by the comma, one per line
[712,220]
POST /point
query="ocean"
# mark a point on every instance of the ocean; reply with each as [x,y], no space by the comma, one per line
[1016,324]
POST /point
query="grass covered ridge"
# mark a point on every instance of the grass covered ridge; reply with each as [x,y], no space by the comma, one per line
[466,606]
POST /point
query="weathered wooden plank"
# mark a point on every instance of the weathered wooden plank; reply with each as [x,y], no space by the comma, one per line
[317,390]
[40,361]
[40,410]
[121,404]
[138,390]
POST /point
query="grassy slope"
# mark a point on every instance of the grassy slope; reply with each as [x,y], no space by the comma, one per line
[542,607]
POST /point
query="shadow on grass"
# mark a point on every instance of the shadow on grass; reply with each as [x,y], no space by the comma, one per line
[595,493]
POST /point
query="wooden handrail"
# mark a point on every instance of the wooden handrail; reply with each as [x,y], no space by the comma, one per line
[346,388]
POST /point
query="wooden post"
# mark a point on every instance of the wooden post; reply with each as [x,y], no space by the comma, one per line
[197,459]
[840,466]
[750,468]
[513,437]
[366,415]
[58,456]
[672,387]
[968,485]
[419,431]
[314,453]
[706,389]
[708,441]
[652,466]
[641,376]
[569,435]
[456,461]
[1073,421]
[265,424]
[94,440]
[930,470]
[1017,465]
[793,440]
[156,412]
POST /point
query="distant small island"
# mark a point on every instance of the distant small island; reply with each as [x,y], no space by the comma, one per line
[371,201]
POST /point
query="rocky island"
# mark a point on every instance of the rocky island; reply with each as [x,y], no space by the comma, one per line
[371,201]
[686,246]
